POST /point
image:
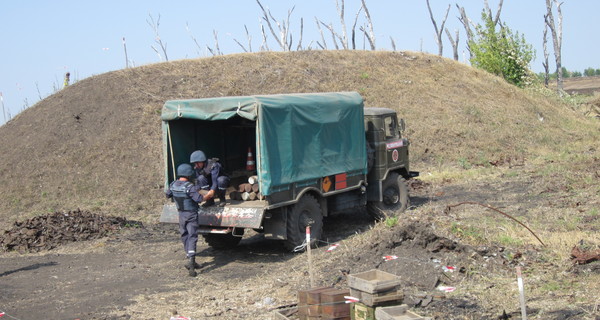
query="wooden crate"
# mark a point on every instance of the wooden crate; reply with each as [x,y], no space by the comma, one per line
[373,281]
[395,296]
[309,302]
[333,304]
[400,312]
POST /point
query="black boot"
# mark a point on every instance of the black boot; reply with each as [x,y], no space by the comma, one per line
[208,203]
[192,266]
[222,201]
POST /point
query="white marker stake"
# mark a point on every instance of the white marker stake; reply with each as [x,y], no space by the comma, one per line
[310,266]
[521,293]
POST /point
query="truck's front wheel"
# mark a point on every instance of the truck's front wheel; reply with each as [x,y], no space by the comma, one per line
[395,198]
[306,212]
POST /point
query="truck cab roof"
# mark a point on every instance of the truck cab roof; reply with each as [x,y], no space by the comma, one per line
[377,111]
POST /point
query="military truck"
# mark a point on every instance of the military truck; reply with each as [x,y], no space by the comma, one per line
[316,154]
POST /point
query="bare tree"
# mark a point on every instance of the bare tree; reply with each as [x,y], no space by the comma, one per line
[299,47]
[323,44]
[371,34]
[454,42]
[216,51]
[154,25]
[334,35]
[354,28]
[393,44]
[187,27]
[3,110]
[249,37]
[545,63]
[556,31]
[489,11]
[438,32]
[468,24]
[284,37]
[340,9]
[125,49]
[265,45]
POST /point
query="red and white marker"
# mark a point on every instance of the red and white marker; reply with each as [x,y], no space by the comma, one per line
[333,247]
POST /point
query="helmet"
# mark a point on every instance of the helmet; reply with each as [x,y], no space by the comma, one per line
[185,170]
[197,156]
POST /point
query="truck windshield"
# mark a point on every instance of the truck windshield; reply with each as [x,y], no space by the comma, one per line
[391,127]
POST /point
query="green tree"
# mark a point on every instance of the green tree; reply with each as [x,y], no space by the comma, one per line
[501,52]
[589,72]
[575,74]
[566,73]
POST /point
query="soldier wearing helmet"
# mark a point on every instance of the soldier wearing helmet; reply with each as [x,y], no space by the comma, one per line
[186,196]
[209,175]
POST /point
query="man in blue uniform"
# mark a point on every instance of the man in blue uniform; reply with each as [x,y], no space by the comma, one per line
[187,197]
[209,175]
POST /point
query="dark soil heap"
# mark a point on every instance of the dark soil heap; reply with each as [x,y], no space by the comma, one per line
[49,231]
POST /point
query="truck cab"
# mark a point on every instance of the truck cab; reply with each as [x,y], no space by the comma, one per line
[388,164]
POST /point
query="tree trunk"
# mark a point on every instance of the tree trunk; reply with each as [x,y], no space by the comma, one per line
[556,31]
[438,32]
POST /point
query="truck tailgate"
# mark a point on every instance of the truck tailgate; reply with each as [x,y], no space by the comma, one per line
[239,214]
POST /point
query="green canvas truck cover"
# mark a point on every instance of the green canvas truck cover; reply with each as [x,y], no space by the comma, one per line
[299,137]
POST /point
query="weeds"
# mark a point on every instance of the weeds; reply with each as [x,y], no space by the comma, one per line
[391,222]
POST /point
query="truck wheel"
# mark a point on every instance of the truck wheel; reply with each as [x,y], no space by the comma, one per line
[395,198]
[221,241]
[306,212]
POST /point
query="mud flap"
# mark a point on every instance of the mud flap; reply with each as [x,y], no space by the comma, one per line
[215,216]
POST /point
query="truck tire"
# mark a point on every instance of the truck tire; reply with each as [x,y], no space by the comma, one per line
[221,241]
[395,198]
[306,212]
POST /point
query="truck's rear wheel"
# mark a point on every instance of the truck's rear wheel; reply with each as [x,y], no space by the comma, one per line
[395,198]
[306,212]
[221,241]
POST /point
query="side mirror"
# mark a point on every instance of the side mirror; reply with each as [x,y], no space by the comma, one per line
[401,126]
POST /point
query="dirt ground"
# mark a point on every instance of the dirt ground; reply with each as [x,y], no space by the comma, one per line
[137,273]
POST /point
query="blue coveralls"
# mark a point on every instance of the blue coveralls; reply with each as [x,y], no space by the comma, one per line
[186,197]
[211,177]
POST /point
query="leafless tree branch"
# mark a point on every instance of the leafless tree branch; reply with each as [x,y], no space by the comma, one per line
[545,63]
[354,28]
[299,47]
[249,37]
[440,31]
[322,44]
[334,35]
[154,25]
[187,27]
[344,37]
[371,35]
[454,42]
[489,11]
[468,24]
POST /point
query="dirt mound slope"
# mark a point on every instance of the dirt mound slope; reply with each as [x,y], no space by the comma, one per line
[97,144]
[49,231]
